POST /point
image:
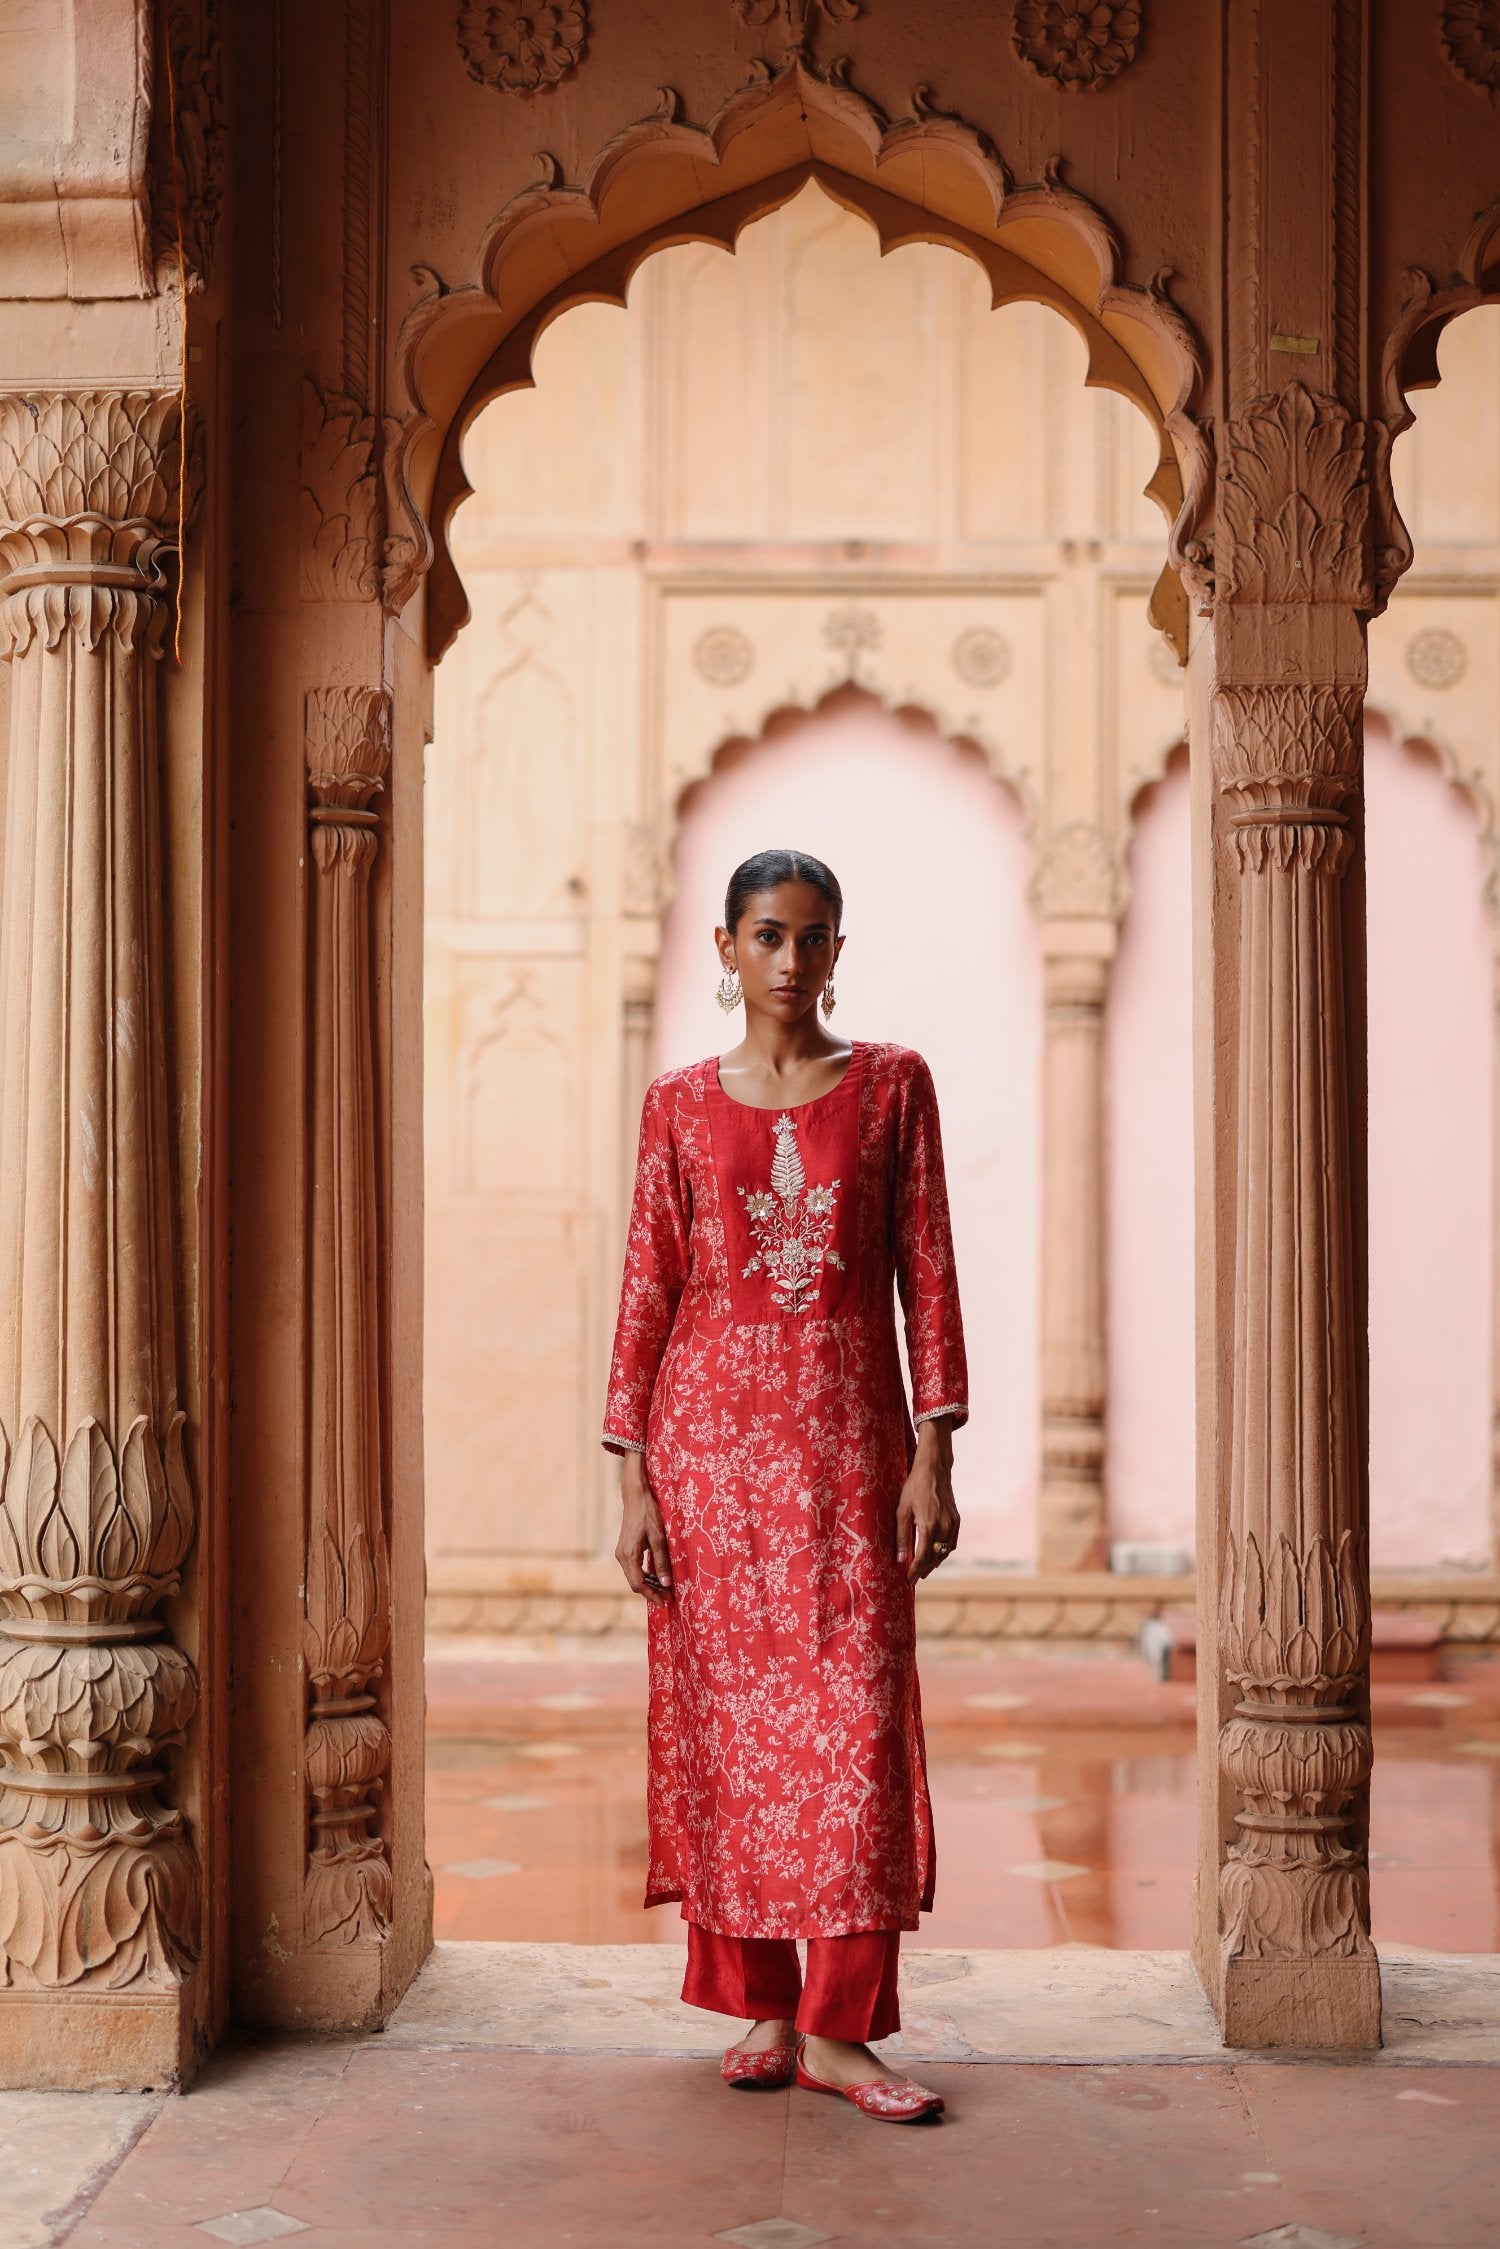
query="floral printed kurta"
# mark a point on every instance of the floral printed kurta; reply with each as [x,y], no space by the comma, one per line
[756,1365]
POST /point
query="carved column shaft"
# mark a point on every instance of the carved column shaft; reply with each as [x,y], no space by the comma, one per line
[1296,1961]
[638,1029]
[348,1893]
[98,1880]
[1072,1533]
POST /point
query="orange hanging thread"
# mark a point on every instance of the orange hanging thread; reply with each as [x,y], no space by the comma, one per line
[182,379]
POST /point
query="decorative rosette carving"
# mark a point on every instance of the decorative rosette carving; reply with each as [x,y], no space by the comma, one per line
[522,46]
[1471,41]
[1078,46]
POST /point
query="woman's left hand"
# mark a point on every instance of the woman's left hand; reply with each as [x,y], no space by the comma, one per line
[926,1518]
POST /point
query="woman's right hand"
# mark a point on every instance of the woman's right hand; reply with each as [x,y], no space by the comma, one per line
[642,1551]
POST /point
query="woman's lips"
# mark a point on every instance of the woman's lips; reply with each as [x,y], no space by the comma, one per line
[787,991]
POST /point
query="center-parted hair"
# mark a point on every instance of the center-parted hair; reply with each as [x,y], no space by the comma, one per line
[767,870]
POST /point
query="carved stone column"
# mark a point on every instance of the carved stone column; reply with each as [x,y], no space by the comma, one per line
[1072,1532]
[98,1876]
[348,1892]
[1296,1964]
[638,1029]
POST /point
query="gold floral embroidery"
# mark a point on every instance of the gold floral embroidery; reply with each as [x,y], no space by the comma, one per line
[791,1225]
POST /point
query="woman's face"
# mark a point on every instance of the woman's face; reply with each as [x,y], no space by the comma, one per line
[784,949]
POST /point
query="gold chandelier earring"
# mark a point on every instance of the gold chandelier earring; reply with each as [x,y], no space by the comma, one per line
[828,1002]
[730,991]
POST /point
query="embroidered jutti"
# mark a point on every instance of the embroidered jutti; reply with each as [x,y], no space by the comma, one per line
[756,1365]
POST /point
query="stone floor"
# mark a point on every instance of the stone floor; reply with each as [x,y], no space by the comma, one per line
[552,2089]
[1063,1788]
[512,2102]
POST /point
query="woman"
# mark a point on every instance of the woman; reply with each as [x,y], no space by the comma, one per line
[777,1507]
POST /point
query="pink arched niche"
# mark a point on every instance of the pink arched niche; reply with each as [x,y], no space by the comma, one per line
[1431,1167]
[1150,1465]
[943,954]
[1431,1160]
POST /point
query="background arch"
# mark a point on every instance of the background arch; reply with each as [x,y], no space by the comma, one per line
[927,178]
[943,953]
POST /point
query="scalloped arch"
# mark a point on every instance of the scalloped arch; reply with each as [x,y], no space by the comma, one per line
[783,711]
[1468,779]
[1409,363]
[660,182]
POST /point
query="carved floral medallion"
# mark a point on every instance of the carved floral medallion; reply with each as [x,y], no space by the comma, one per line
[981,656]
[1077,46]
[1436,657]
[1471,41]
[723,655]
[523,46]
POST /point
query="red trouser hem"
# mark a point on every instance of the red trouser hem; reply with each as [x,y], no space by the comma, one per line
[849,1992]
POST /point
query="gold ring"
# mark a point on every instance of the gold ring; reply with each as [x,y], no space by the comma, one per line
[940,1550]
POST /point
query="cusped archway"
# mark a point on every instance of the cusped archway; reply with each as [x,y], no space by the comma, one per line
[661,182]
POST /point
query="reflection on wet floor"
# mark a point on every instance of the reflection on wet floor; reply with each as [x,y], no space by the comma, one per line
[1064,1793]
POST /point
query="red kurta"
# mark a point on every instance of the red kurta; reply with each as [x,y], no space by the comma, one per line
[756,1366]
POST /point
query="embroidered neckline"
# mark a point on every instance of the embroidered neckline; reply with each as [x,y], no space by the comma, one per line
[791,1224]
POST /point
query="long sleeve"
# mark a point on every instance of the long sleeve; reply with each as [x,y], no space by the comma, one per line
[925,1273]
[656,1269]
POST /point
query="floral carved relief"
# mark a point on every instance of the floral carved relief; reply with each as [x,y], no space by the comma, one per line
[1294,570]
[1436,657]
[1294,503]
[98,1875]
[796,18]
[348,1891]
[1471,41]
[723,655]
[522,46]
[340,500]
[1078,46]
[188,167]
[982,657]
[1077,874]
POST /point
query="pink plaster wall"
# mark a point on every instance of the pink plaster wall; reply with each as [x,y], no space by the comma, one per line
[1431,1134]
[942,955]
[1149,1096]
[1431,1196]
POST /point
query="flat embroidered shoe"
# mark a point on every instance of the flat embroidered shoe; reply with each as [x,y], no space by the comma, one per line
[765,2072]
[901,2103]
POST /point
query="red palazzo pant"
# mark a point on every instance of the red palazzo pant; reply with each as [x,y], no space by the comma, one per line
[849,1992]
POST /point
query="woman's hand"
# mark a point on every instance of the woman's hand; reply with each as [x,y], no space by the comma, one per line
[642,1550]
[926,1517]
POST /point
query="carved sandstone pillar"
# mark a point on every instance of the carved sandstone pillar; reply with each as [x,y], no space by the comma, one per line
[348,1892]
[637,1031]
[1072,1534]
[1296,1964]
[98,1878]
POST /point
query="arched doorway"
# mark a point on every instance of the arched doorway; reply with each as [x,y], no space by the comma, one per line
[966,534]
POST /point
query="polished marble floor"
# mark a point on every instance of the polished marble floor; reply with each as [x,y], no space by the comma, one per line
[1063,1791]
